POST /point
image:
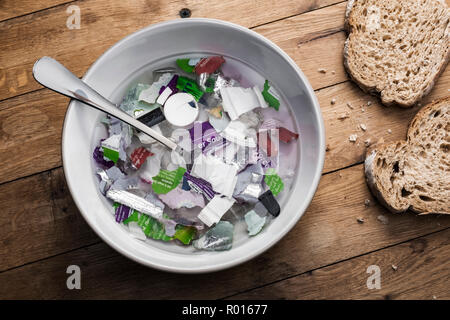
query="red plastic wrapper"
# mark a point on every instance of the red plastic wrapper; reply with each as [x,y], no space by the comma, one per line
[209,65]
[139,156]
[287,135]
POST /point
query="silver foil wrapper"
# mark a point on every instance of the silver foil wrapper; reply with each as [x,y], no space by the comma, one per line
[249,184]
[145,204]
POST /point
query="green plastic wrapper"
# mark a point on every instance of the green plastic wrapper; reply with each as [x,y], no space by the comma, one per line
[189,86]
[270,96]
[273,181]
[185,233]
[111,154]
[166,180]
[155,230]
[185,66]
[151,227]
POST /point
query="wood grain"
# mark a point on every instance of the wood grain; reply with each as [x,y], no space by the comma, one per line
[30,133]
[25,39]
[39,219]
[327,233]
[13,8]
[422,273]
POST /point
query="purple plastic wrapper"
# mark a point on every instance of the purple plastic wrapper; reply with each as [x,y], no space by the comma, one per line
[98,157]
[172,85]
[203,134]
[200,185]
[122,212]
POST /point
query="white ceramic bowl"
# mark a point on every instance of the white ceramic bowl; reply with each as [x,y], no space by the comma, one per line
[128,60]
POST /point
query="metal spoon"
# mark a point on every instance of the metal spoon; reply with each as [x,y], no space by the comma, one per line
[53,75]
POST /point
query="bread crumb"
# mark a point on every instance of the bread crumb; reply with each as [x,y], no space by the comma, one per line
[333,101]
[367,202]
[369,103]
[363,110]
[343,116]
[434,297]
[394,267]
[383,219]
[353,137]
[367,142]
[340,175]
[350,105]
[327,148]
[360,220]
[322,70]
[389,131]
[363,127]
[333,72]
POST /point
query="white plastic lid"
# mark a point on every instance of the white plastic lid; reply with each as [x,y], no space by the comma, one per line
[179,109]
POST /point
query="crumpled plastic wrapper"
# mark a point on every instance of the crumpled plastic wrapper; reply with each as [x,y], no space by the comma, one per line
[215,209]
[203,134]
[146,203]
[254,222]
[219,124]
[222,176]
[152,165]
[98,157]
[131,104]
[239,133]
[219,238]
[209,64]
[200,185]
[122,212]
[238,100]
[150,94]
[108,177]
[179,198]
[249,184]
[152,228]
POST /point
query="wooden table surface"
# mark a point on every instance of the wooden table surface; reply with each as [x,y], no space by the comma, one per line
[325,256]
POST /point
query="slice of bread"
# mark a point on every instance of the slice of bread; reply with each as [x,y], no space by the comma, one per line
[415,174]
[397,48]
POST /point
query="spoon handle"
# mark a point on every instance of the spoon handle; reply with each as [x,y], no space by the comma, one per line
[53,75]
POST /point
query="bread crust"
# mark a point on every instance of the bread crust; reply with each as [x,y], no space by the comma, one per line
[373,90]
[371,157]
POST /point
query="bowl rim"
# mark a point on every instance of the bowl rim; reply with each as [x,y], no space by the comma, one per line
[308,197]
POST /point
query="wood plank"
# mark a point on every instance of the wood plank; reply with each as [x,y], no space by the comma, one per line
[423,273]
[30,136]
[30,37]
[314,40]
[12,8]
[327,233]
[39,219]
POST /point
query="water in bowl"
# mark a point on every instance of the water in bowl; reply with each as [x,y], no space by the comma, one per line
[248,76]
